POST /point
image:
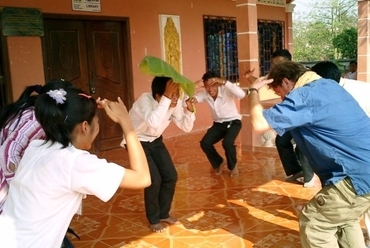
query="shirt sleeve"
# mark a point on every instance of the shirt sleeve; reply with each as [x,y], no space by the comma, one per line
[291,113]
[184,119]
[94,176]
[201,96]
[235,90]
[151,114]
[15,144]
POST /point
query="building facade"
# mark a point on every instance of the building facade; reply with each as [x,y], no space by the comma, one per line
[98,45]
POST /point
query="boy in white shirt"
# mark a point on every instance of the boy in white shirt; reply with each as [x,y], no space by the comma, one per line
[352,71]
[151,114]
[220,95]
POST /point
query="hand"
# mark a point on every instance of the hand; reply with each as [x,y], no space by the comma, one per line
[216,81]
[249,75]
[117,111]
[199,85]
[190,103]
[172,89]
[260,82]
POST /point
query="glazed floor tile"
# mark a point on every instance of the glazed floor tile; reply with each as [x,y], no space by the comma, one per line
[257,209]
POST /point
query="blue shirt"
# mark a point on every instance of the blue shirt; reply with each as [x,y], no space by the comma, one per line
[330,128]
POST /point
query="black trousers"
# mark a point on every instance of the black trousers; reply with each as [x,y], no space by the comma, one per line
[159,195]
[293,161]
[227,132]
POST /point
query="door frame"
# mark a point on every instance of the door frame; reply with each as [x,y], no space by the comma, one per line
[5,81]
[126,45]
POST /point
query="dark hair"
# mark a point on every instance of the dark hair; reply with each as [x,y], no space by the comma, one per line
[353,62]
[59,120]
[327,69]
[208,75]
[14,110]
[282,53]
[286,69]
[159,85]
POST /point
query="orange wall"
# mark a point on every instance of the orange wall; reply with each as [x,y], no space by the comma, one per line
[267,12]
[25,64]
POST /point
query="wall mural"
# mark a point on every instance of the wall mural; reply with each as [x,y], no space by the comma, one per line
[171,40]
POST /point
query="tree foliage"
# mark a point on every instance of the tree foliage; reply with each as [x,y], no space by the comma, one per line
[346,43]
[314,33]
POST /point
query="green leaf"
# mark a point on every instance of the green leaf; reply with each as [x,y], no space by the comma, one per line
[156,67]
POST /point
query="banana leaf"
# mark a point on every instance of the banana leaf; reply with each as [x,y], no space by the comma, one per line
[156,67]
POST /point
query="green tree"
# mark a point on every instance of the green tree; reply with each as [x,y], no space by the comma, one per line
[346,43]
[313,32]
[312,43]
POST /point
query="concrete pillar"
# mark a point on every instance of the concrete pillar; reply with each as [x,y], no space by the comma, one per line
[289,23]
[363,59]
[246,16]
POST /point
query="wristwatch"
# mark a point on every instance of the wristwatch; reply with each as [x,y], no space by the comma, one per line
[250,90]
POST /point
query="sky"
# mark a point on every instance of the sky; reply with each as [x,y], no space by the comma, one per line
[302,7]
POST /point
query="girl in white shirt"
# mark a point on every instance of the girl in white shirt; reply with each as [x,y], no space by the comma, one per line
[55,174]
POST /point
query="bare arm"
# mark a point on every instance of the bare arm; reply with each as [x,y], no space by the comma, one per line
[259,122]
[138,176]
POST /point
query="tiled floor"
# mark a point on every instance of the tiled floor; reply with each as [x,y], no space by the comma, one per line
[256,209]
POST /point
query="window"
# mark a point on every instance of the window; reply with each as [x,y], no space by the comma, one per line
[270,39]
[221,46]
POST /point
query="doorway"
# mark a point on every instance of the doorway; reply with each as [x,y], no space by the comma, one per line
[95,56]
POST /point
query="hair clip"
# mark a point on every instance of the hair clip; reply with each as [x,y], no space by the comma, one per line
[84,95]
[57,95]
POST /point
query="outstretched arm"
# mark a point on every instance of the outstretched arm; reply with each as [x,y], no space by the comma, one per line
[138,176]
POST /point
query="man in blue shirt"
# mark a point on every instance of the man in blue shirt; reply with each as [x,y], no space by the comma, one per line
[333,132]
[293,161]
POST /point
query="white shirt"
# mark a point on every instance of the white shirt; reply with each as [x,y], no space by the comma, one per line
[223,109]
[47,191]
[150,118]
[351,75]
[359,90]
